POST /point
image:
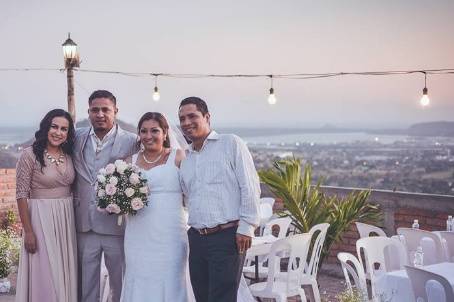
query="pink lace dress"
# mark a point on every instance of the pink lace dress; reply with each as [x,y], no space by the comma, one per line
[50,274]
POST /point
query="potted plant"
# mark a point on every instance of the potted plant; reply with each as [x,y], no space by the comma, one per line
[307,205]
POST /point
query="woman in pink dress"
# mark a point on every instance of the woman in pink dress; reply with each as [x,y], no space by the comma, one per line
[44,174]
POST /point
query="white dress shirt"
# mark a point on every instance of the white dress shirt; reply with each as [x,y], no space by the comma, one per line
[221,184]
[98,144]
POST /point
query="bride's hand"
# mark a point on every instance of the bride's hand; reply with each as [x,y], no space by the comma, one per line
[30,242]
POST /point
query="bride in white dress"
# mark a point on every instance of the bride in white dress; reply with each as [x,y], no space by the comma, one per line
[156,243]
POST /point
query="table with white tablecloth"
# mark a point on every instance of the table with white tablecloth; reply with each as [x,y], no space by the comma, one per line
[396,286]
[428,247]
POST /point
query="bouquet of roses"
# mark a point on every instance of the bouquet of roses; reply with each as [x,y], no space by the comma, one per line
[121,189]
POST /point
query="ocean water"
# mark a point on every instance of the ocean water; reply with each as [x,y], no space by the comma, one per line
[11,136]
[322,138]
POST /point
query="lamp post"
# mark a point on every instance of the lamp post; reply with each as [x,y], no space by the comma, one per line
[71,61]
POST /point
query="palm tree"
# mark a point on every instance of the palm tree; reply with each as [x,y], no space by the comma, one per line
[308,205]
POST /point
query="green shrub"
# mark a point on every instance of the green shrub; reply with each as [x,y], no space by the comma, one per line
[9,252]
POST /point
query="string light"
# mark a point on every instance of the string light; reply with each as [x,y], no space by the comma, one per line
[272,97]
[156,94]
[425,101]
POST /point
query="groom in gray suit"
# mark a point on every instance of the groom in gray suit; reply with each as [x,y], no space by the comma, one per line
[98,233]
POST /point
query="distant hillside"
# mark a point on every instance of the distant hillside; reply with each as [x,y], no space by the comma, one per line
[85,123]
[441,128]
[432,129]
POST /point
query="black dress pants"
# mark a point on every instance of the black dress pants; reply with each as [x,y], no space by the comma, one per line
[215,266]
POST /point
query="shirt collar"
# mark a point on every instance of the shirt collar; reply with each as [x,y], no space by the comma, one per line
[107,136]
[212,136]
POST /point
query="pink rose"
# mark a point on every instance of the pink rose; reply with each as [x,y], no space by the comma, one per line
[113,208]
[110,168]
[111,189]
[136,203]
[134,178]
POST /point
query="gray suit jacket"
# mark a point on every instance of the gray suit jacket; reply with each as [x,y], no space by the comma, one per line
[88,218]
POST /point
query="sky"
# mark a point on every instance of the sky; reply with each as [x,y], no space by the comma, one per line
[251,37]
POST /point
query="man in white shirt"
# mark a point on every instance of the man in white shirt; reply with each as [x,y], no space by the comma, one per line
[222,191]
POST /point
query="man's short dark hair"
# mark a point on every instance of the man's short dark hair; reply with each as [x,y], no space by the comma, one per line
[97,94]
[198,102]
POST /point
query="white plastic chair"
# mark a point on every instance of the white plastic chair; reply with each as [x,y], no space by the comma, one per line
[448,237]
[318,235]
[249,267]
[430,242]
[419,281]
[268,200]
[282,223]
[374,249]
[366,230]
[352,267]
[280,289]
[266,211]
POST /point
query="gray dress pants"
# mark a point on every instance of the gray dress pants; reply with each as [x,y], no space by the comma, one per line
[90,246]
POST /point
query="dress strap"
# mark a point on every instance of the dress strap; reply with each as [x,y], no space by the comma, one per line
[171,159]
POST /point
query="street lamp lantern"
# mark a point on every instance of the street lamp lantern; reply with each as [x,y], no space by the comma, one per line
[70,53]
[71,57]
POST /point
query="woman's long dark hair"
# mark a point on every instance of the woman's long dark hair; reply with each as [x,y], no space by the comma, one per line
[40,143]
[161,120]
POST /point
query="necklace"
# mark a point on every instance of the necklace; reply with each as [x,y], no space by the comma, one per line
[152,161]
[56,161]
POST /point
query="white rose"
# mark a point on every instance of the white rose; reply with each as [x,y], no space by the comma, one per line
[134,178]
[111,189]
[102,171]
[135,169]
[121,169]
[113,208]
[129,192]
[136,204]
[119,162]
[143,190]
[110,168]
[101,178]
[101,193]
[113,180]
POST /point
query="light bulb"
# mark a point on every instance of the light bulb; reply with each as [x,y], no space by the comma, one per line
[272,97]
[425,101]
[156,95]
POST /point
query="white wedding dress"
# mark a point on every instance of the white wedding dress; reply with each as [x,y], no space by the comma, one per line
[156,243]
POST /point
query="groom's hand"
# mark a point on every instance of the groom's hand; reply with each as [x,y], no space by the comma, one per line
[243,242]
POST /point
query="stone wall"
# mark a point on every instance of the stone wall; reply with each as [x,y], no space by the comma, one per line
[7,189]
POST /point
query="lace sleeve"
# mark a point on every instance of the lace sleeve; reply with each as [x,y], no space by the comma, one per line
[24,172]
